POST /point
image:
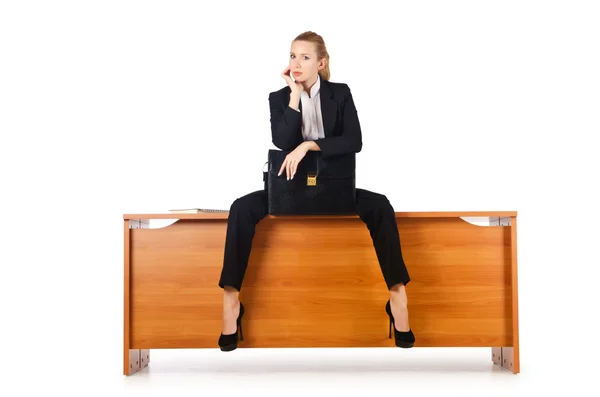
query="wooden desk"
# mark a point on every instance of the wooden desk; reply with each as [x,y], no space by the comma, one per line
[463,290]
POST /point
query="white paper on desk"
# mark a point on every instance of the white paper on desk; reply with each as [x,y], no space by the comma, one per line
[196,210]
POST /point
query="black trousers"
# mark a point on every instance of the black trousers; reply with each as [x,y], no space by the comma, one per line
[374,209]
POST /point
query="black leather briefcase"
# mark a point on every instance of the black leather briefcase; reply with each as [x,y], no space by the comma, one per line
[319,187]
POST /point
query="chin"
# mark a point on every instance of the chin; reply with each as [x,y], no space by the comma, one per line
[302,78]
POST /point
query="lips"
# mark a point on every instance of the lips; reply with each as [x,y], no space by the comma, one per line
[297,73]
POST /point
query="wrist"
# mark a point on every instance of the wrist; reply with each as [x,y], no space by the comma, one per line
[308,145]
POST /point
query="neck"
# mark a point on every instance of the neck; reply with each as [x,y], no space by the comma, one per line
[308,84]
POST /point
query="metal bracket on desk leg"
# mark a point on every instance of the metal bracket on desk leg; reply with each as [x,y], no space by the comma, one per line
[503,357]
[499,221]
[145,358]
[497,355]
[134,361]
[138,359]
[139,224]
[507,358]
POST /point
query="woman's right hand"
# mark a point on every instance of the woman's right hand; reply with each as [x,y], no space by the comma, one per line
[295,87]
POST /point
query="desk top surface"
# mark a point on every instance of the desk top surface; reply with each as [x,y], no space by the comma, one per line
[225,215]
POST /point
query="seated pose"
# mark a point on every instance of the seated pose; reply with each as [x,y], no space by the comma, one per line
[297,126]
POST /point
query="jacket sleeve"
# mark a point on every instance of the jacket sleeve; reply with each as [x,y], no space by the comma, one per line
[351,139]
[286,125]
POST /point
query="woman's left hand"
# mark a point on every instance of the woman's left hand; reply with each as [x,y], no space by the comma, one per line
[290,164]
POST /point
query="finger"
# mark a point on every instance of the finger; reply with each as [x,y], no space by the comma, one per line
[294,168]
[282,167]
[289,170]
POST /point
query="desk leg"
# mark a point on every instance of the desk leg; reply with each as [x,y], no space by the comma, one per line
[133,359]
[508,357]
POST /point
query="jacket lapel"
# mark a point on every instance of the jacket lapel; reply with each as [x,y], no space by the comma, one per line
[328,107]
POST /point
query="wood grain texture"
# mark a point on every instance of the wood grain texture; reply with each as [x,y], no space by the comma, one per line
[317,283]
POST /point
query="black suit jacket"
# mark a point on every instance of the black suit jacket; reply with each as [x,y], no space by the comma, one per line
[340,120]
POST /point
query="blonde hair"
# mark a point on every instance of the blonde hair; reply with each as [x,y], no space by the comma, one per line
[312,37]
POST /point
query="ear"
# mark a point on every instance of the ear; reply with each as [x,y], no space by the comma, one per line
[322,63]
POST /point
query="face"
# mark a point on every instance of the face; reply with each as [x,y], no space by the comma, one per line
[304,65]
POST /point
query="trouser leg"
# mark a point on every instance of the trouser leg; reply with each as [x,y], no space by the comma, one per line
[244,214]
[377,212]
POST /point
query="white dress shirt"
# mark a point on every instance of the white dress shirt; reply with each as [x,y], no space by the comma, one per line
[312,119]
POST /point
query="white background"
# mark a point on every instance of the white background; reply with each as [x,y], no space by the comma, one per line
[113,107]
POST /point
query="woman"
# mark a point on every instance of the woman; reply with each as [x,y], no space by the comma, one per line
[312,113]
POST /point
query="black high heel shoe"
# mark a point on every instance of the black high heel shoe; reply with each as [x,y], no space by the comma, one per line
[229,342]
[405,339]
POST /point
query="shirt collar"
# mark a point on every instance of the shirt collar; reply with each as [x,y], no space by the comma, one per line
[316,87]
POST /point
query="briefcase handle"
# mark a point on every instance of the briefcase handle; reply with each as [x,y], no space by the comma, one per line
[311,173]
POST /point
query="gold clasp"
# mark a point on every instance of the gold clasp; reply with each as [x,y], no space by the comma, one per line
[311,180]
